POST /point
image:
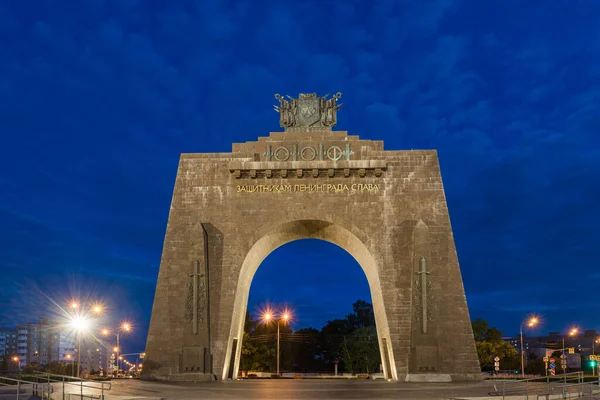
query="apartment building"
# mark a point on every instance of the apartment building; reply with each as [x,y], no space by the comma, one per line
[48,341]
[8,342]
[43,342]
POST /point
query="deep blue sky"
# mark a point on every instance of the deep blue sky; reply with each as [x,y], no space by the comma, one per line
[100,97]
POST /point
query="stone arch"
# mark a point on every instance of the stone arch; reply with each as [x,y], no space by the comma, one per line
[287,232]
[368,203]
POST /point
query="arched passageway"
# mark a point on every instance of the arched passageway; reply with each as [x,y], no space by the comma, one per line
[296,230]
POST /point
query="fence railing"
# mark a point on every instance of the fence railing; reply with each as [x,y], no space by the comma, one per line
[584,390]
[69,382]
[23,387]
[537,387]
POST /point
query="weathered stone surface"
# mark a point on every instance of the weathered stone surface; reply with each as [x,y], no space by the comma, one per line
[386,208]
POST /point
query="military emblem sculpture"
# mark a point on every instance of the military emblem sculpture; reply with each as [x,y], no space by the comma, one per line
[308,112]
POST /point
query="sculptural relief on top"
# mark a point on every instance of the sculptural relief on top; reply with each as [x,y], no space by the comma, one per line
[308,112]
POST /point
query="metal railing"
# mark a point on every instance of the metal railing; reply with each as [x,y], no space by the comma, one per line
[536,387]
[584,390]
[39,389]
[78,383]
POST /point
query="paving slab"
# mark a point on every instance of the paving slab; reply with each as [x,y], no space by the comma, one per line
[286,389]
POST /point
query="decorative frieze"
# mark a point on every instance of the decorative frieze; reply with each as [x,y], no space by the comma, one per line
[272,170]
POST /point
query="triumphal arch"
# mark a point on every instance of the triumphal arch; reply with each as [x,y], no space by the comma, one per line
[386,208]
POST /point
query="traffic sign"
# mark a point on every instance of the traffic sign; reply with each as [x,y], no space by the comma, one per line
[497,359]
[552,366]
[593,357]
[497,368]
[552,359]
[563,356]
[571,350]
[546,359]
[552,372]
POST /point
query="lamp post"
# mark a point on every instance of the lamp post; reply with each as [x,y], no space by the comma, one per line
[70,357]
[595,362]
[17,361]
[572,332]
[284,317]
[530,324]
[81,324]
[138,355]
[125,327]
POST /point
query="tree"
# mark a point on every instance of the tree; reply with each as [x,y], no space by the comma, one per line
[31,368]
[259,349]
[330,338]
[353,338]
[352,341]
[306,351]
[4,364]
[489,345]
[360,350]
[362,316]
[482,331]
[58,368]
[535,366]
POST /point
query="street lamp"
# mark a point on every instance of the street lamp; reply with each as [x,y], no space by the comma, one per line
[125,327]
[285,317]
[97,308]
[69,357]
[595,362]
[81,325]
[530,324]
[572,332]
[17,361]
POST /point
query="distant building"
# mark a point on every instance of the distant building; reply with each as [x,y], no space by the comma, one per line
[515,342]
[45,342]
[584,344]
[8,342]
[94,356]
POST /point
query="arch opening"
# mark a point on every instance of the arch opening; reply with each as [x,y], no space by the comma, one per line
[297,230]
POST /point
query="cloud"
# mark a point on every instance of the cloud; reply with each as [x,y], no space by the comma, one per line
[103,96]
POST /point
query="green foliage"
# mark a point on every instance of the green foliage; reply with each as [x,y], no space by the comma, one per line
[351,342]
[536,366]
[489,344]
[256,356]
[482,332]
[5,363]
[306,351]
[360,351]
[487,350]
[362,316]
[556,354]
[31,368]
[58,368]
